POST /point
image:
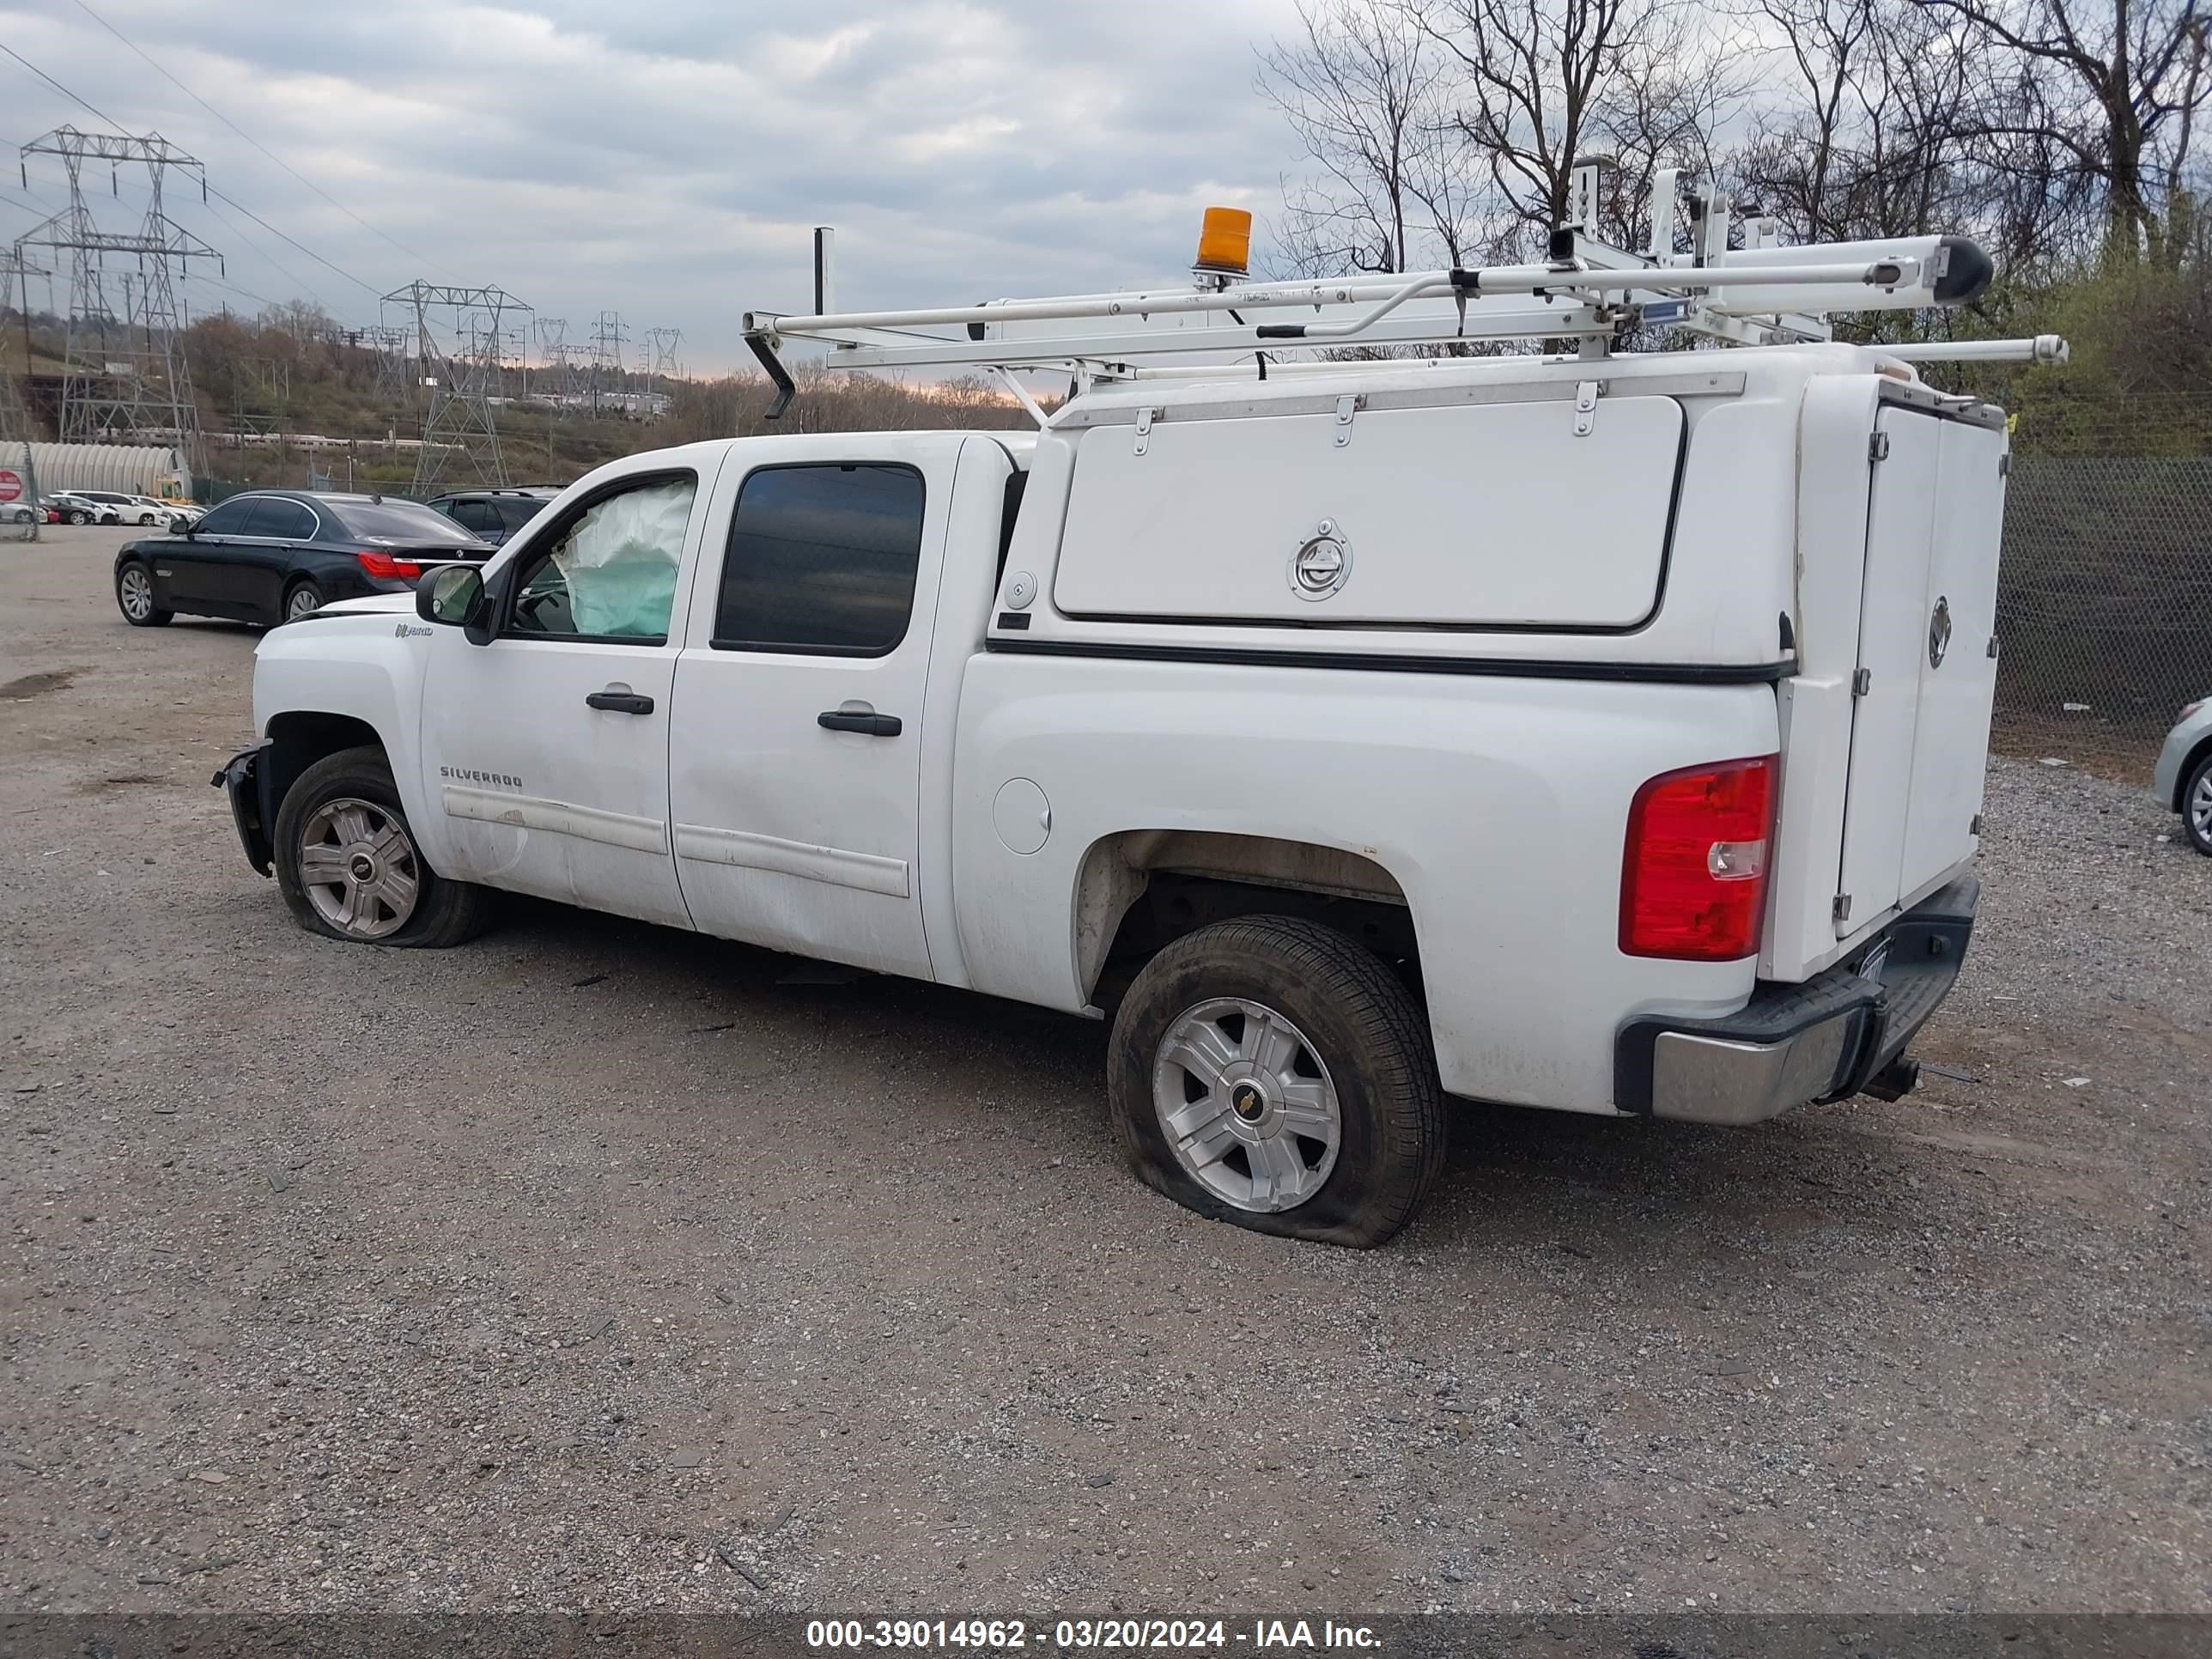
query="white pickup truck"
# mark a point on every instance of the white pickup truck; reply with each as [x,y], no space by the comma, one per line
[1600,732]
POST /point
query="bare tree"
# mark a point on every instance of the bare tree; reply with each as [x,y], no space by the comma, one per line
[2114,83]
[1533,73]
[1362,85]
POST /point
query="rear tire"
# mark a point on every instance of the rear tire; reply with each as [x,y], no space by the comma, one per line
[301,599]
[347,864]
[134,597]
[76,518]
[2197,805]
[1272,1072]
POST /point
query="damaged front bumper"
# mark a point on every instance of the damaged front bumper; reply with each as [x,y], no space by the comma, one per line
[1842,1033]
[246,779]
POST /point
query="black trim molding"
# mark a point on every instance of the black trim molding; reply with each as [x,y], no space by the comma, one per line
[1527,668]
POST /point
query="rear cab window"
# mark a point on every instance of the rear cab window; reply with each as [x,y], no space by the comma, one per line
[821,560]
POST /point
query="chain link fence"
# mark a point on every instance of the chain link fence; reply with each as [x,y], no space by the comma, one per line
[2104,605]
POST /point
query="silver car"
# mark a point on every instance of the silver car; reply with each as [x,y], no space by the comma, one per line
[2183,779]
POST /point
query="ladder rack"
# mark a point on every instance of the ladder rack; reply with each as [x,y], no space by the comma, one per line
[1586,291]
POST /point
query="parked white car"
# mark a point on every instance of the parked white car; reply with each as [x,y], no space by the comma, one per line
[129,509]
[2182,781]
[1601,734]
[76,508]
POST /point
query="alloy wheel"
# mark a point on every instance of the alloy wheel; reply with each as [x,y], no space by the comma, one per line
[359,868]
[135,591]
[1247,1105]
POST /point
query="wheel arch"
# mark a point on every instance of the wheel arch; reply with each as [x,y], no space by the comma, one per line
[2196,758]
[1137,890]
[299,738]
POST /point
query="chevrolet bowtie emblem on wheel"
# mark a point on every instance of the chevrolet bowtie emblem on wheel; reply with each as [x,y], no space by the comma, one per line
[1939,632]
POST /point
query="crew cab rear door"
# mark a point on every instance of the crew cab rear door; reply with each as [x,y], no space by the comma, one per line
[795,751]
[1927,664]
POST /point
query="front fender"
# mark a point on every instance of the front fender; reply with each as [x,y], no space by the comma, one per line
[363,668]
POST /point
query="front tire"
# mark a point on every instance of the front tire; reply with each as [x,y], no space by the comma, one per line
[1272,1072]
[2196,806]
[134,597]
[347,864]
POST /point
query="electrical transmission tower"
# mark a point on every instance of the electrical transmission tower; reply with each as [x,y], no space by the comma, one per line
[566,379]
[459,338]
[126,380]
[395,384]
[608,340]
[664,341]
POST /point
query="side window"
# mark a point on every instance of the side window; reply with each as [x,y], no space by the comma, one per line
[608,573]
[510,513]
[288,520]
[229,520]
[471,515]
[822,559]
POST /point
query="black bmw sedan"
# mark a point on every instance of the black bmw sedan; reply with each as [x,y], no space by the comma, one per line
[271,556]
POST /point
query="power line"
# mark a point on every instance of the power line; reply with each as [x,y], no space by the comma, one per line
[289,241]
[243,133]
[279,270]
[57,86]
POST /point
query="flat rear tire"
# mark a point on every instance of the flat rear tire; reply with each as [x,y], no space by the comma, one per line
[1272,1072]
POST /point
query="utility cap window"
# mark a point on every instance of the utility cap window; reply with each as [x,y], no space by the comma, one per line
[821,560]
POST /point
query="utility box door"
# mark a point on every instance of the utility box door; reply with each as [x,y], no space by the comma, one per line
[1892,648]
[1481,515]
[1958,670]
[1920,732]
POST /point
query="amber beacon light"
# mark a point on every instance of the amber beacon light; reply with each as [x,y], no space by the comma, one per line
[1224,240]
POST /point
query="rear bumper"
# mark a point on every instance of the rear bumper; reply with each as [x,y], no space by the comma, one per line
[246,779]
[1790,1044]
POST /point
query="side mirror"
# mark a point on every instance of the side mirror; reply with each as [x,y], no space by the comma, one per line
[453,594]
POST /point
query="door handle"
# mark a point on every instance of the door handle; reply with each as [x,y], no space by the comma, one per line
[620,703]
[868,722]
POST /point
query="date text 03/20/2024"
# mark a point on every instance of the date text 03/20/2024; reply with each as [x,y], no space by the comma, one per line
[1010,1635]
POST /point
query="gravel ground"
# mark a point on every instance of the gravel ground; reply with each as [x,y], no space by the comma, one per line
[594,1266]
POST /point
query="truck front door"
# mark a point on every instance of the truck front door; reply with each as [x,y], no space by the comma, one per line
[794,787]
[546,749]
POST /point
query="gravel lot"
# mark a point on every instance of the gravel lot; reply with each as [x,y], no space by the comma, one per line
[596,1266]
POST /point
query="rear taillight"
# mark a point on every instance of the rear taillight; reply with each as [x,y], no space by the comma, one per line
[1694,879]
[384,565]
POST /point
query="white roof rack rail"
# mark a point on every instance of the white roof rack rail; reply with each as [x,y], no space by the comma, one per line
[1760,294]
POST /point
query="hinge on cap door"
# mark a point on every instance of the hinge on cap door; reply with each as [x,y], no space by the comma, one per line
[1345,408]
[1144,430]
[1878,447]
[1862,682]
[1585,407]
[1841,909]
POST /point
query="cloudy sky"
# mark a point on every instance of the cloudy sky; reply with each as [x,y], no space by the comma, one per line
[667,159]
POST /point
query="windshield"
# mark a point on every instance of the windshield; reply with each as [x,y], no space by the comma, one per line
[393,520]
